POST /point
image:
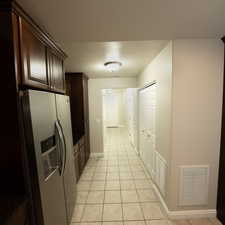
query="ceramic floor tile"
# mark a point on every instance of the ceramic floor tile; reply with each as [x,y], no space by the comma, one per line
[86,177]
[95,223]
[200,222]
[137,169]
[113,164]
[134,222]
[95,197]
[92,213]
[129,196]
[146,195]
[127,185]
[102,162]
[112,176]
[152,211]
[112,212]
[112,223]
[89,170]
[112,185]
[97,186]
[77,213]
[143,184]
[125,163]
[179,222]
[99,176]
[113,169]
[139,175]
[132,211]
[215,221]
[83,185]
[124,170]
[81,197]
[112,197]
[157,222]
[126,176]
[101,170]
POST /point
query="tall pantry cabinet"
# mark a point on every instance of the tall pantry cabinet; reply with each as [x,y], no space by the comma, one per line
[77,89]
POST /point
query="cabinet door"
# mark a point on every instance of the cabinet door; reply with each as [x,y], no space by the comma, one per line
[33,57]
[57,75]
[76,162]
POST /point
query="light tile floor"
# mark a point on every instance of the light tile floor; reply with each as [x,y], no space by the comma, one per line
[117,190]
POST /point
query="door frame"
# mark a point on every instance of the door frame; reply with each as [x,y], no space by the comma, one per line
[138,112]
[221,181]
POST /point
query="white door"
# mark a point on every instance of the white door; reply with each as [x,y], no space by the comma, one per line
[147,108]
[111,109]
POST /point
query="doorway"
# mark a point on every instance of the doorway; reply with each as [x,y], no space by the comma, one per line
[113,112]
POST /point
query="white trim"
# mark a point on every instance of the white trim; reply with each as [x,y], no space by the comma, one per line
[185,214]
[97,155]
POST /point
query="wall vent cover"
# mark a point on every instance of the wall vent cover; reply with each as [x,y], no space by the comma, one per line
[194,185]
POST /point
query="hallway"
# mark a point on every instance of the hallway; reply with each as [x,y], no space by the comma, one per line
[116,189]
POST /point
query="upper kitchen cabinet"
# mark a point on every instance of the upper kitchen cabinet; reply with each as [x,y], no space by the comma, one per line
[56,71]
[42,61]
[33,57]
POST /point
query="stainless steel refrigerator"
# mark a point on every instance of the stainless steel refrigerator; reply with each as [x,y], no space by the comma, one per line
[49,139]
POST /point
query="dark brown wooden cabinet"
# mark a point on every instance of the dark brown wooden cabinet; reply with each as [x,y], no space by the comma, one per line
[76,161]
[42,60]
[33,57]
[77,89]
[56,72]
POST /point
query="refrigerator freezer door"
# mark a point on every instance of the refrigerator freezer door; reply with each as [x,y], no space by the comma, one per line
[43,117]
[69,177]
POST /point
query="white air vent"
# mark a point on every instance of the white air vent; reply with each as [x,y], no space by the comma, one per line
[194,182]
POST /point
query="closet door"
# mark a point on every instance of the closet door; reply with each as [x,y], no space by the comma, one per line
[147,107]
[141,123]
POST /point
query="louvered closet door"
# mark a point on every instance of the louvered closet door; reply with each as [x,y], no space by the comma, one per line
[147,108]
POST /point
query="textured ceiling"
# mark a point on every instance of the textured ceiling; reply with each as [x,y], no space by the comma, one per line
[93,31]
[89,57]
[126,20]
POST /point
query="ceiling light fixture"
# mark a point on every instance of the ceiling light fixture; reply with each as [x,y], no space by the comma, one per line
[113,66]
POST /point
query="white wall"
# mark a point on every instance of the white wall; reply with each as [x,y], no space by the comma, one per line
[95,87]
[189,77]
[160,70]
[197,105]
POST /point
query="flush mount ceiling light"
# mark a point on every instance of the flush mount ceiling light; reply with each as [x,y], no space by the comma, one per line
[113,66]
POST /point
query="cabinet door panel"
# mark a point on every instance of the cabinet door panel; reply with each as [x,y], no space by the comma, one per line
[34,57]
[76,162]
[56,69]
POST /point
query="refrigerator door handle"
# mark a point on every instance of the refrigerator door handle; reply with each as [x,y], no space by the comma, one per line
[60,145]
[64,148]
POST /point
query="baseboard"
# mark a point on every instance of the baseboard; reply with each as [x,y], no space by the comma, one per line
[184,214]
[97,155]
